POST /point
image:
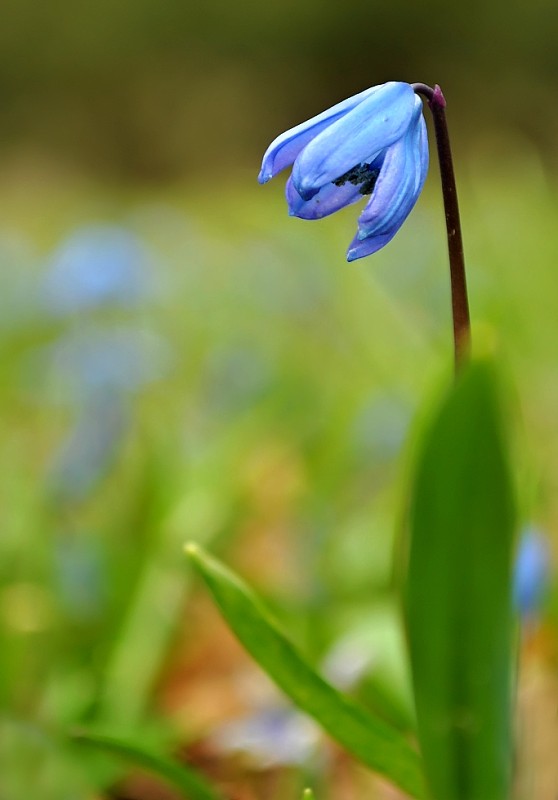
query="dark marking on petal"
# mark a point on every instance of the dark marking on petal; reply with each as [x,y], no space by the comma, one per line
[363,175]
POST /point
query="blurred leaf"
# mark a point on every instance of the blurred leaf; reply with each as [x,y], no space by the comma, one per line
[375,743]
[380,696]
[308,794]
[192,785]
[458,595]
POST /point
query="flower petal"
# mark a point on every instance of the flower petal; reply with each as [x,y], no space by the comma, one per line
[366,247]
[374,124]
[285,148]
[328,200]
[400,181]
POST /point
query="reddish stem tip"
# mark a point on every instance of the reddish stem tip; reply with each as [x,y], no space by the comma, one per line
[438,98]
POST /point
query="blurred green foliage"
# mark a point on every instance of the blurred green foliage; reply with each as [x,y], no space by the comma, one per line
[272,429]
[459,623]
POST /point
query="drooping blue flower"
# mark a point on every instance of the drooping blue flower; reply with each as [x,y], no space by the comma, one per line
[373,144]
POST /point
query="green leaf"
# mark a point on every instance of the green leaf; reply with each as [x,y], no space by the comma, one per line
[308,794]
[375,743]
[192,785]
[458,595]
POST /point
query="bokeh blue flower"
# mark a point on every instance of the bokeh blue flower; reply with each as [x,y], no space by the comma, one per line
[530,573]
[98,371]
[372,144]
[94,285]
[98,361]
[97,266]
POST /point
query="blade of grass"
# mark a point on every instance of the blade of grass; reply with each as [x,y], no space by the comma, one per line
[373,742]
[192,785]
[458,595]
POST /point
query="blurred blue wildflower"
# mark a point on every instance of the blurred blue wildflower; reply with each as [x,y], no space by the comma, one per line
[530,573]
[274,736]
[89,449]
[98,371]
[278,735]
[373,144]
[97,266]
[107,361]
[93,367]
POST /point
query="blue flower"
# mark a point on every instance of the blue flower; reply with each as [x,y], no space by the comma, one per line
[373,144]
[97,266]
[530,573]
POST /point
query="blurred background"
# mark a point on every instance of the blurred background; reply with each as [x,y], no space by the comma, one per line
[181,361]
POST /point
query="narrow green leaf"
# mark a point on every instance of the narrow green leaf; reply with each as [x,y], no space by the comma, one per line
[458,595]
[192,785]
[375,743]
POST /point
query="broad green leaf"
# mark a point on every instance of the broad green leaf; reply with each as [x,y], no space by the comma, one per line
[375,743]
[192,785]
[308,794]
[458,595]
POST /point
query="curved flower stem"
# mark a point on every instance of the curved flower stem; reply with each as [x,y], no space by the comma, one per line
[459,300]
